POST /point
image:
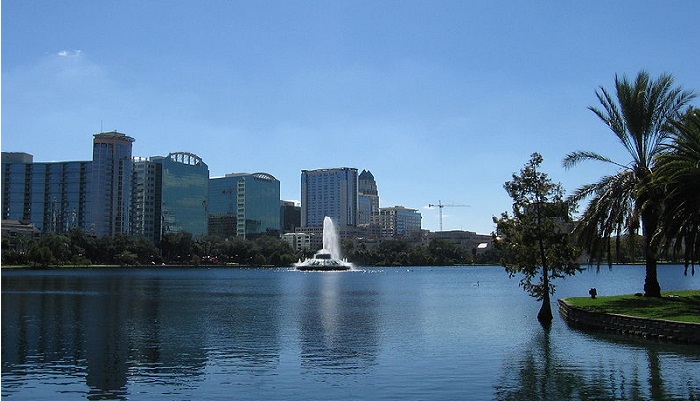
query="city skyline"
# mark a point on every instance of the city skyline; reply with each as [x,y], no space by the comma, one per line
[147,197]
[189,161]
[442,101]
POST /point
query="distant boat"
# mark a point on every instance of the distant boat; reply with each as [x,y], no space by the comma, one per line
[323,261]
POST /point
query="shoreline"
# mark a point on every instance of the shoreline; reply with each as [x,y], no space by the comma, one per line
[659,329]
[67,267]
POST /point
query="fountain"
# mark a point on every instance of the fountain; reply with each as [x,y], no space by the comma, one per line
[327,258]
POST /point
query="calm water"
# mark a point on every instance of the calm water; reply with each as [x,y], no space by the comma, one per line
[410,333]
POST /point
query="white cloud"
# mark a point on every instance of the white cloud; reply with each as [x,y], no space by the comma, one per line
[69,53]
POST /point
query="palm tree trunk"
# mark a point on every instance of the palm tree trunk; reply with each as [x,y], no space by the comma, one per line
[650,220]
[652,288]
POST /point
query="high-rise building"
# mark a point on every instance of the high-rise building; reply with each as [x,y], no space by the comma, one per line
[51,196]
[59,196]
[112,194]
[170,195]
[290,215]
[111,181]
[244,205]
[329,192]
[184,190]
[17,157]
[368,198]
[223,207]
[397,222]
[147,199]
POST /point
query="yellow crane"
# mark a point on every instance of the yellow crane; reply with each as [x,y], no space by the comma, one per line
[440,205]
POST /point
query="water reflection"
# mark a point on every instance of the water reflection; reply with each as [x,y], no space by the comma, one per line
[544,370]
[338,325]
[109,329]
[243,317]
[281,334]
[105,342]
[168,330]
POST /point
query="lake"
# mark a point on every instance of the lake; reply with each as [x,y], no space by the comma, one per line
[400,333]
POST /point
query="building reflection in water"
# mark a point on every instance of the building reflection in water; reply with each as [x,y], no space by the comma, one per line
[205,333]
[105,330]
[338,325]
[137,328]
[243,316]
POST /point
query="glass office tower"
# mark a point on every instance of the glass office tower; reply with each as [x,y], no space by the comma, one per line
[185,185]
[329,192]
[59,196]
[147,198]
[52,196]
[111,181]
[244,205]
[290,216]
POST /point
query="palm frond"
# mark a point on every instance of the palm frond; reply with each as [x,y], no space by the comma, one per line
[639,114]
[679,173]
[575,158]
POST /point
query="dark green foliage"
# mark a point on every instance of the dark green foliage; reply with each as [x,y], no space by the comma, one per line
[177,246]
[78,249]
[535,238]
[679,173]
[126,258]
[397,252]
[41,255]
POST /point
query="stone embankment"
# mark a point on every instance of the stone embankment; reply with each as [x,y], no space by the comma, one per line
[666,330]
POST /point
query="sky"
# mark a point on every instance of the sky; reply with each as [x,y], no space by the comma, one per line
[441,100]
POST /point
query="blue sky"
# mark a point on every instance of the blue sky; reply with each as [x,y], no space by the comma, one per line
[441,100]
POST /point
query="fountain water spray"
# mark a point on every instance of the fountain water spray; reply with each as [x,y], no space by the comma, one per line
[329,257]
[330,238]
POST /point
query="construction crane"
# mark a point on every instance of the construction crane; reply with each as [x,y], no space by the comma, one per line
[440,205]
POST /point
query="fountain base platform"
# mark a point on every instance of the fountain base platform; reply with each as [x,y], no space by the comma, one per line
[323,261]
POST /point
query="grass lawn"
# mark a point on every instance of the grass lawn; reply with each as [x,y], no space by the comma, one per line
[681,306]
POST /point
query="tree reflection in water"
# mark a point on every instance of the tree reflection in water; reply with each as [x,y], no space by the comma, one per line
[544,371]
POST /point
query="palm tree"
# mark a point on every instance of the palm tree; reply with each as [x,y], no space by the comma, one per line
[639,116]
[679,172]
